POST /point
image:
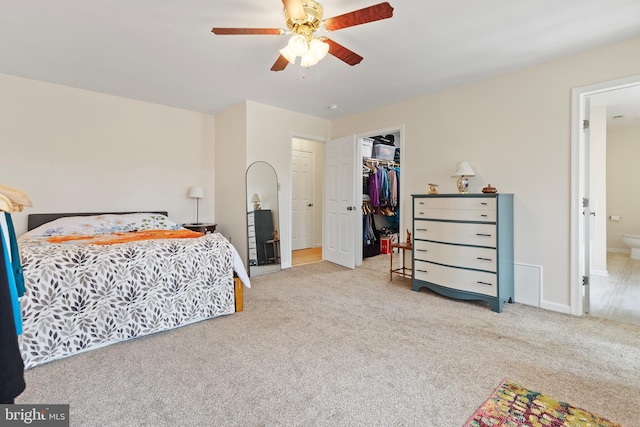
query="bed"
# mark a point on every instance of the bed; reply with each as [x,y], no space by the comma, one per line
[97,279]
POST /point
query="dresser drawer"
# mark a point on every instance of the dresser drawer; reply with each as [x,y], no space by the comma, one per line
[454,255]
[456,232]
[464,203]
[457,278]
[486,215]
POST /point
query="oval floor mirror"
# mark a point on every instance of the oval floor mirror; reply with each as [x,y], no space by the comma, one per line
[263,230]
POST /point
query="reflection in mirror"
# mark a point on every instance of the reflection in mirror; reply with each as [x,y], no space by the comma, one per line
[263,230]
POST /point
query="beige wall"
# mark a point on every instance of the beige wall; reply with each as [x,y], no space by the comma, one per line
[75,150]
[251,132]
[515,131]
[623,154]
[230,167]
[269,138]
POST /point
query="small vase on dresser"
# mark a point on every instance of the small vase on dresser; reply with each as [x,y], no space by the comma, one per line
[463,246]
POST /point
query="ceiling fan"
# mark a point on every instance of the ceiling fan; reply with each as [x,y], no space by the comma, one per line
[303,18]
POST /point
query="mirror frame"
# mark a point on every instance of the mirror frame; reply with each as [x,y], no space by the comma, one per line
[261,178]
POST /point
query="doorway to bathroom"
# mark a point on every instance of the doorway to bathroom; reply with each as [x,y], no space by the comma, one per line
[605,155]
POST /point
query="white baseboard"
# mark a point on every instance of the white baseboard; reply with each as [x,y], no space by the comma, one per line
[561,308]
[622,251]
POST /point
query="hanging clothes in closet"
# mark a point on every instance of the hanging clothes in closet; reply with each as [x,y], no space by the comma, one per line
[381,191]
[12,381]
[382,185]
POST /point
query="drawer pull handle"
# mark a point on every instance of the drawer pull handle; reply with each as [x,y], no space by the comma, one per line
[421,229]
[484,259]
[421,250]
[484,215]
[485,283]
[484,203]
[421,213]
[422,271]
[482,234]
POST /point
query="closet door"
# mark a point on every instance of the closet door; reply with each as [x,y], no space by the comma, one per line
[342,217]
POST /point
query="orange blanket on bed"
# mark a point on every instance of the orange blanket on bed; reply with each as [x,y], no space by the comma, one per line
[109,239]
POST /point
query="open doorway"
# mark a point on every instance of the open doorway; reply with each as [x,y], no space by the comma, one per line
[606,165]
[615,289]
[307,161]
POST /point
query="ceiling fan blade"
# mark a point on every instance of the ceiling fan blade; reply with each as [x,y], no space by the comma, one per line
[280,64]
[243,31]
[357,17]
[342,53]
[294,9]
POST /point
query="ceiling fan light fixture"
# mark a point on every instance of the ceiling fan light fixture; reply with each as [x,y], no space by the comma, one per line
[287,53]
[298,45]
[318,49]
[308,59]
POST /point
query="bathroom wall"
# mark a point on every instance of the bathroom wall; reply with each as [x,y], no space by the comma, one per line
[623,154]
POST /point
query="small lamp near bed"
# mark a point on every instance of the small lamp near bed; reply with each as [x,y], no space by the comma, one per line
[196,192]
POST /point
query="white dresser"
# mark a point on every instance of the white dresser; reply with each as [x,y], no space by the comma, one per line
[463,246]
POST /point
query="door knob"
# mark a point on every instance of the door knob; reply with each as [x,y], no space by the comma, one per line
[310,204]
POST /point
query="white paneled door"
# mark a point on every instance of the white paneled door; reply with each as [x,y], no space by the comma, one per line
[341,217]
[301,200]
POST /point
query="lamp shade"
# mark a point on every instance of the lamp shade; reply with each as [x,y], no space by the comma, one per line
[463,169]
[255,198]
[196,192]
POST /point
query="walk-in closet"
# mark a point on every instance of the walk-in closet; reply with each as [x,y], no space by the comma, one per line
[380,193]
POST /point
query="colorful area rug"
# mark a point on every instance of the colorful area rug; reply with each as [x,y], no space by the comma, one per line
[511,405]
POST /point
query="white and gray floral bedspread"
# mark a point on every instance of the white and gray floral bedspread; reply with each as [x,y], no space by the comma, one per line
[81,297]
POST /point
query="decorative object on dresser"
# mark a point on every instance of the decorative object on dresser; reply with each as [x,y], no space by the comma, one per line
[463,246]
[463,170]
[489,189]
[196,192]
[260,229]
[433,188]
[206,228]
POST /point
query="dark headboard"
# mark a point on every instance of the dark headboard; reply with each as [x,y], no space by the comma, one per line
[36,220]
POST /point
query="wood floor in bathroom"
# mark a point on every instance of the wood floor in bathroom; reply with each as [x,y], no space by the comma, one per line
[617,296]
[306,256]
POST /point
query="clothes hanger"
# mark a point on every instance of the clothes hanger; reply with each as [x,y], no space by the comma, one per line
[5,204]
[19,199]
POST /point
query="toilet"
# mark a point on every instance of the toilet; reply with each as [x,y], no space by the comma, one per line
[633,241]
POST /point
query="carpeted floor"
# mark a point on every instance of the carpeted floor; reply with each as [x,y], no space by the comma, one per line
[321,345]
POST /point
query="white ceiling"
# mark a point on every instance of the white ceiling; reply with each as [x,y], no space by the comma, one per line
[162,51]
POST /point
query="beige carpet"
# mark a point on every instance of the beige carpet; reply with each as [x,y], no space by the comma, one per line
[321,345]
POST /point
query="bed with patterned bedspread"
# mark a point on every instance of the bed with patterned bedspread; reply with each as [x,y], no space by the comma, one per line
[93,281]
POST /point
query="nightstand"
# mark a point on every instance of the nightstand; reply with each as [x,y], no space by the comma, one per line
[205,228]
